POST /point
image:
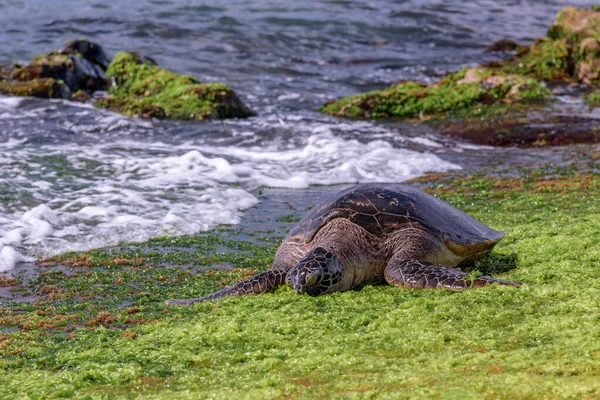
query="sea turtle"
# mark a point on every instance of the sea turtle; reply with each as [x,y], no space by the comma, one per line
[375,232]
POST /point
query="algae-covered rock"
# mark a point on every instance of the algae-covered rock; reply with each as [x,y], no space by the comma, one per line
[546,60]
[575,24]
[593,98]
[465,89]
[502,45]
[59,73]
[80,96]
[142,89]
[44,88]
[138,88]
[501,91]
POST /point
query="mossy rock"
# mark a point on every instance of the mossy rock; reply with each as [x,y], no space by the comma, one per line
[499,93]
[546,60]
[456,92]
[74,70]
[593,99]
[80,96]
[574,24]
[502,45]
[6,71]
[145,90]
[43,87]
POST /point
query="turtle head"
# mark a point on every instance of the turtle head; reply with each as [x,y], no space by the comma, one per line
[319,272]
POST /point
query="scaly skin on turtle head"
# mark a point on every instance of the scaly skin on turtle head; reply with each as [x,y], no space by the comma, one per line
[319,272]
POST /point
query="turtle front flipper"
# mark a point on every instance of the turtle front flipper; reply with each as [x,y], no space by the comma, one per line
[261,283]
[423,275]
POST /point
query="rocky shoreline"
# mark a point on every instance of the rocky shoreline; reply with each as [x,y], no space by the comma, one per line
[500,103]
[136,86]
[503,103]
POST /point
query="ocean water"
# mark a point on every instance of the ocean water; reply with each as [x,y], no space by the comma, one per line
[73,177]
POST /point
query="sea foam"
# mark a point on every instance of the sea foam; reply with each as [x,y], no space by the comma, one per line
[63,195]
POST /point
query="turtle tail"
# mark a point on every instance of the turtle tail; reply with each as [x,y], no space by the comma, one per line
[264,282]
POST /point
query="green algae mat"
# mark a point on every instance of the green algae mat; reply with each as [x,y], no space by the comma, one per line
[99,327]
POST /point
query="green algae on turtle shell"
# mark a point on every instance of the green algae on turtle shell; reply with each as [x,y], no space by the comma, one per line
[99,329]
[146,90]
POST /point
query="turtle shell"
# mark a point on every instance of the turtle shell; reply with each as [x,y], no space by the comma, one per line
[382,208]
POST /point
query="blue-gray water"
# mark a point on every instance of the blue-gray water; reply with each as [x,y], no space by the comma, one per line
[74,177]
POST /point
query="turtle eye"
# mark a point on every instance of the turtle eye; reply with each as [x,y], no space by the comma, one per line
[314,277]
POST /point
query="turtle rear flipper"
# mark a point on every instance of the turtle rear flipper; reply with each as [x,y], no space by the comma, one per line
[423,275]
[264,282]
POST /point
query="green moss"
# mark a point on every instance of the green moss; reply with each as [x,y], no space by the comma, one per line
[593,99]
[100,329]
[149,91]
[81,96]
[53,59]
[574,24]
[455,93]
[547,60]
[44,87]
[556,32]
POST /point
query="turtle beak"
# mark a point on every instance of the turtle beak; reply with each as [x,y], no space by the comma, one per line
[296,281]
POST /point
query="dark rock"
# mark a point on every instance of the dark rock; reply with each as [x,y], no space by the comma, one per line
[80,96]
[78,66]
[511,130]
[503,45]
[89,50]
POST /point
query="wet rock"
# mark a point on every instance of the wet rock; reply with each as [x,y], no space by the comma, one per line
[593,98]
[44,87]
[466,91]
[503,45]
[59,73]
[589,45]
[569,56]
[140,88]
[88,50]
[575,23]
[546,60]
[523,131]
[80,96]
[588,68]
